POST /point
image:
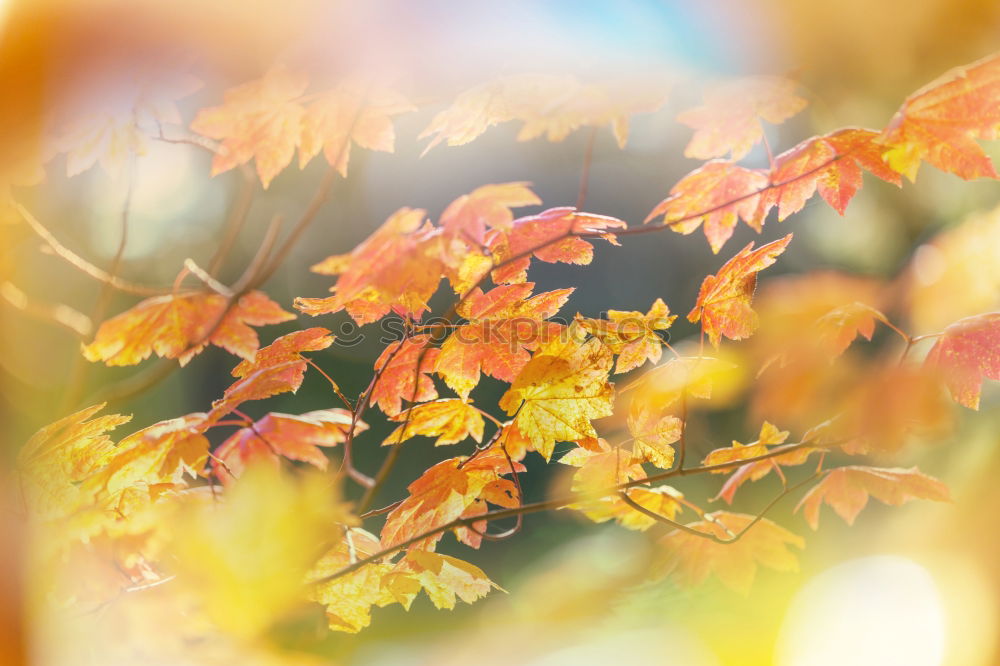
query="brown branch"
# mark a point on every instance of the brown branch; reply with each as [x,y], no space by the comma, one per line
[560,503]
[82,264]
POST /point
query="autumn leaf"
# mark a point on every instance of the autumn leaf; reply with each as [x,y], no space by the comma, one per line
[503,325]
[602,468]
[161,453]
[276,368]
[830,164]
[444,578]
[296,437]
[349,599]
[769,436]
[716,194]
[550,105]
[691,558]
[557,235]
[397,268]
[940,123]
[723,304]
[450,420]
[840,326]
[443,493]
[245,583]
[847,489]
[729,121]
[118,126]
[353,111]
[631,335]
[653,436]
[662,500]
[967,353]
[755,471]
[58,457]
[559,391]
[180,326]
[259,120]
[285,349]
[486,207]
[400,378]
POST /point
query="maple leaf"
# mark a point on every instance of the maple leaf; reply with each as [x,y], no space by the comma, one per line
[443,577]
[729,121]
[399,376]
[397,268]
[846,490]
[632,335]
[120,124]
[653,434]
[552,105]
[723,304]
[58,457]
[556,235]
[693,558]
[717,193]
[349,599]
[601,468]
[940,122]
[486,207]
[161,453]
[840,326]
[662,500]
[259,120]
[180,326]
[562,387]
[285,349]
[967,353]
[444,493]
[353,111]
[294,437]
[245,583]
[450,420]
[831,164]
[756,471]
[503,325]
[276,368]
[769,435]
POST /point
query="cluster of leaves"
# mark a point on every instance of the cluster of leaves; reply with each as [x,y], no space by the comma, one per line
[117,506]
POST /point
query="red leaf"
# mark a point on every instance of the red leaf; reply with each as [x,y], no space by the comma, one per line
[967,352]
[399,377]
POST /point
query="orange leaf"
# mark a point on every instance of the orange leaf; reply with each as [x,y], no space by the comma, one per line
[769,435]
[717,194]
[552,236]
[259,120]
[846,490]
[632,335]
[940,122]
[353,111]
[729,121]
[277,368]
[967,352]
[486,207]
[691,558]
[161,453]
[444,578]
[442,494]
[840,326]
[756,471]
[723,305]
[294,437]
[831,164]
[504,324]
[547,104]
[399,376]
[450,420]
[179,326]
[397,268]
